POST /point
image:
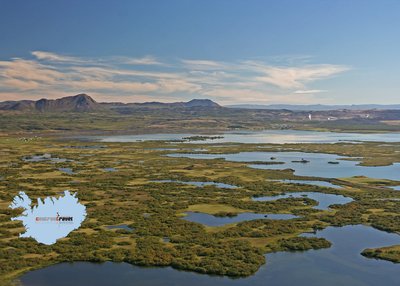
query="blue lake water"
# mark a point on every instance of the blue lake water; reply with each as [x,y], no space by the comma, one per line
[324,200]
[109,169]
[198,184]
[265,136]
[396,188]
[211,220]
[308,182]
[341,264]
[318,165]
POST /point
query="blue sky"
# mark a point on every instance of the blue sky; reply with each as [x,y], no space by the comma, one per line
[299,52]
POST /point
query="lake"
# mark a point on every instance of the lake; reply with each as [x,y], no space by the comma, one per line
[341,264]
[308,182]
[317,164]
[264,136]
[324,200]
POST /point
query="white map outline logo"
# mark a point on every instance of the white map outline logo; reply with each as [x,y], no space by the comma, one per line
[44,222]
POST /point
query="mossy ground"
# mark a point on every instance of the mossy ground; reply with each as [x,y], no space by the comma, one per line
[154,210]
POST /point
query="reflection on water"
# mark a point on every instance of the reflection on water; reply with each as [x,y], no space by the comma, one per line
[341,264]
[211,220]
[317,165]
[324,200]
[308,182]
[266,136]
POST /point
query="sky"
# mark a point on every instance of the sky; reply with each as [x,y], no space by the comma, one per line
[230,51]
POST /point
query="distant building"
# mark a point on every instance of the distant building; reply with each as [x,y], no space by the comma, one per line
[310,116]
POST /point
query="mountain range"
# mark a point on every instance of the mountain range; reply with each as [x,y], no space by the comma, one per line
[84,103]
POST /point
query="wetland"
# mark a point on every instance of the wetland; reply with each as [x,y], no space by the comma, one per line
[231,212]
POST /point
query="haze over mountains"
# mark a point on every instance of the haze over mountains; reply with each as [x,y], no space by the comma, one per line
[316,107]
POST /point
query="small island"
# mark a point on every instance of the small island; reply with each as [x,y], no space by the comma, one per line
[202,138]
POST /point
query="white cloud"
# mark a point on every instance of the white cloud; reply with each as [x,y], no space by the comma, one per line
[147,60]
[309,91]
[203,64]
[148,77]
[48,56]
[295,77]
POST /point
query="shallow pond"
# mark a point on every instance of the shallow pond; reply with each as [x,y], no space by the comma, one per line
[265,136]
[324,200]
[120,226]
[306,164]
[45,157]
[198,184]
[211,220]
[341,264]
[66,170]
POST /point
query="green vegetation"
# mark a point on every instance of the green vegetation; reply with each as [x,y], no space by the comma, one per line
[154,210]
[145,119]
[390,253]
[202,138]
[303,243]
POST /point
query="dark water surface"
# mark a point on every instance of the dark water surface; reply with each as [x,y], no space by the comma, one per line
[339,265]
[324,200]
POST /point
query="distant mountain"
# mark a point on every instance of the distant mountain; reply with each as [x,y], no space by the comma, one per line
[77,103]
[316,107]
[192,104]
[22,105]
[83,103]
[201,103]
